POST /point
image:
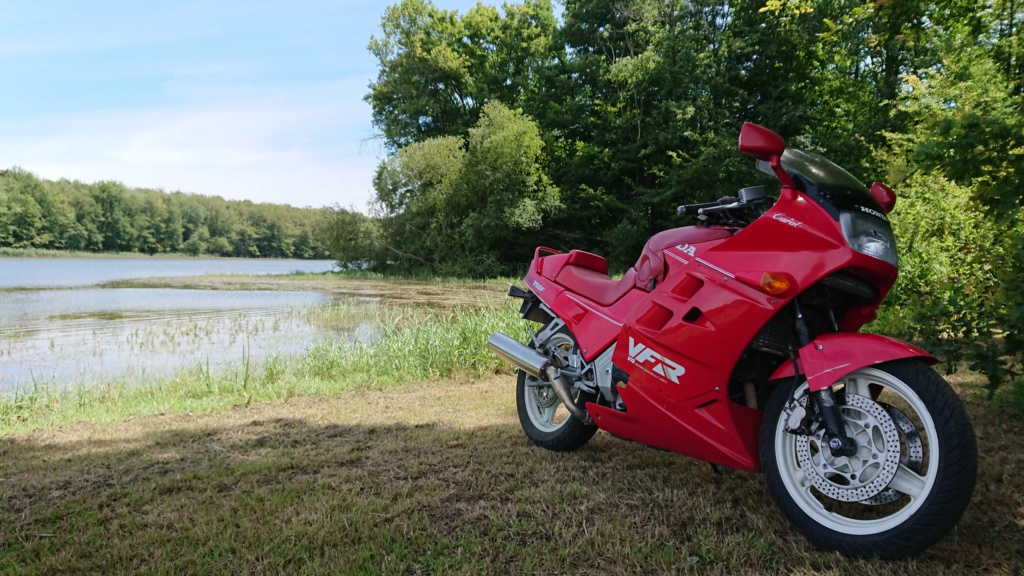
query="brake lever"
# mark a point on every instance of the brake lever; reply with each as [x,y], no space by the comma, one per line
[716,209]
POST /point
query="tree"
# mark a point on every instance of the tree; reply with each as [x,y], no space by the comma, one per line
[21,218]
[967,128]
[438,69]
[417,197]
[463,206]
[353,238]
[506,194]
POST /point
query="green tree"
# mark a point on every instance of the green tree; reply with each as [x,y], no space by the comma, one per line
[61,224]
[946,298]
[437,68]
[417,199]
[22,223]
[37,213]
[968,128]
[115,225]
[88,217]
[424,87]
[354,239]
[462,206]
[505,194]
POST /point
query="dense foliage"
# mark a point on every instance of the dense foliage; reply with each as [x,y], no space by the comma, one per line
[108,217]
[626,108]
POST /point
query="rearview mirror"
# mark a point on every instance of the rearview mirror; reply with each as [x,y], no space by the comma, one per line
[760,142]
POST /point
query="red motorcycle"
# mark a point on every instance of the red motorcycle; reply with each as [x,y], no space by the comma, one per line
[736,341]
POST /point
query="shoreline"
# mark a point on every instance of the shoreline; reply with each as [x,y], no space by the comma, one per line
[41,253]
[439,293]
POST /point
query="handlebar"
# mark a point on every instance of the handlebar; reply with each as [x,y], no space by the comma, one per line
[692,209]
[722,208]
[740,210]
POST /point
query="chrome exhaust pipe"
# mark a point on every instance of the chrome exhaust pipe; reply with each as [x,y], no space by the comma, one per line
[537,365]
[562,390]
[518,354]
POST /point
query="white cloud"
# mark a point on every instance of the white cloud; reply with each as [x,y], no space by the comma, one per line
[298,145]
[240,99]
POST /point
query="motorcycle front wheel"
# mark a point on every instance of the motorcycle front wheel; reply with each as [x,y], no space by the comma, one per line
[910,480]
[544,419]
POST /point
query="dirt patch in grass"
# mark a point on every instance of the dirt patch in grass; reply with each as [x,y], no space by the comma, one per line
[432,478]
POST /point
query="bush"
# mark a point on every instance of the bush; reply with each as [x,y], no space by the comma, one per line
[948,297]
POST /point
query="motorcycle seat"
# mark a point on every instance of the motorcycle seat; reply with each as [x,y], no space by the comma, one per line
[595,286]
[651,265]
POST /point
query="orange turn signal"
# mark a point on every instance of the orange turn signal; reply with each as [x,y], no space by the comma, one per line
[775,283]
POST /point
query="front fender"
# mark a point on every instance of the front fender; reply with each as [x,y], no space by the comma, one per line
[831,356]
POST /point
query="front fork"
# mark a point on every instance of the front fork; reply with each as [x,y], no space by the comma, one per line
[824,400]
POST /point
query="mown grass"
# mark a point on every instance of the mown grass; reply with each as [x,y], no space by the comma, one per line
[428,478]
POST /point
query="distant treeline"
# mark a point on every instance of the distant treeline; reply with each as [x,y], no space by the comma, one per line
[109,217]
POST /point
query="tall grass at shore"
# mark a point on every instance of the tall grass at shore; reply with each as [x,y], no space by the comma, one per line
[413,344]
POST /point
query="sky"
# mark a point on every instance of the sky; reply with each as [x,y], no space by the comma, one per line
[244,99]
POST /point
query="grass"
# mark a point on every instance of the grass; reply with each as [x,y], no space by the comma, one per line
[427,478]
[405,456]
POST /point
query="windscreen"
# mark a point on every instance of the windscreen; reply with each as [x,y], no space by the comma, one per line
[825,181]
[820,171]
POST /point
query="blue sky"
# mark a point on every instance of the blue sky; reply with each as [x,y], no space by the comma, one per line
[249,99]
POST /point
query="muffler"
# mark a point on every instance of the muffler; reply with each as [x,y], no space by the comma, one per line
[518,354]
[537,365]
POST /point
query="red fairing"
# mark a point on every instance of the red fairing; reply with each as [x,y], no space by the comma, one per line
[705,427]
[832,356]
[680,340]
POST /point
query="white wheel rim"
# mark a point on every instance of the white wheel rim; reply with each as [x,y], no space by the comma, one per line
[915,487]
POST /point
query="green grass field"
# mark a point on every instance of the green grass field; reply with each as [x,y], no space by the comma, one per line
[406,457]
[427,478]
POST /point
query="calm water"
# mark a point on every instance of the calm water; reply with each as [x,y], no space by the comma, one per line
[53,272]
[59,327]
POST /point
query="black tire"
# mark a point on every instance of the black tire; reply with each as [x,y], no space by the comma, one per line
[935,471]
[544,420]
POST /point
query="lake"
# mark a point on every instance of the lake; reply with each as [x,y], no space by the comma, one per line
[54,272]
[62,324]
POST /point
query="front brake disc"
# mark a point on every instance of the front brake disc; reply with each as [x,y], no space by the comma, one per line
[910,438]
[864,474]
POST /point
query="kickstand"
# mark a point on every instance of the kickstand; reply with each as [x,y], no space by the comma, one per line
[718,468]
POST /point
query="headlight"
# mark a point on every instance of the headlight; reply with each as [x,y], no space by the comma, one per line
[869,235]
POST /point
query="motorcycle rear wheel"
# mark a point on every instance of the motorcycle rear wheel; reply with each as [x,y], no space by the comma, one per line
[544,419]
[909,482]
